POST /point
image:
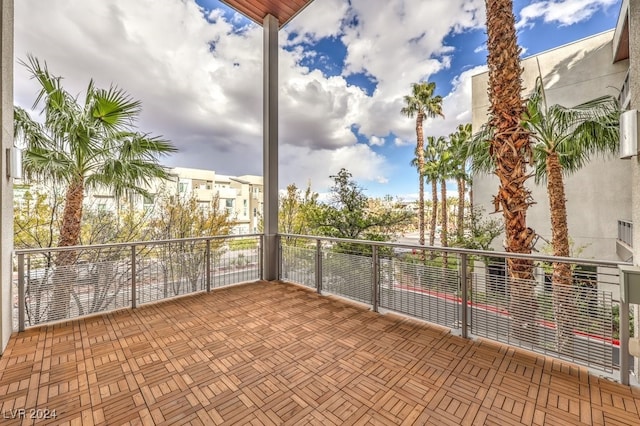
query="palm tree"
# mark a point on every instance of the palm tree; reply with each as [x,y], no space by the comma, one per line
[442,165]
[431,171]
[84,144]
[511,150]
[459,141]
[421,104]
[563,140]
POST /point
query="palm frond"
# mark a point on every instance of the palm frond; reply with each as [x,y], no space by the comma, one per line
[114,108]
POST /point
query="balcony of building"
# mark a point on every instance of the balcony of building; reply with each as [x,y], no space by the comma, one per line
[352,333]
[624,241]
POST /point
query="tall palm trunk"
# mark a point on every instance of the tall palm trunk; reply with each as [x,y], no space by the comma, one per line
[420,155]
[562,281]
[445,219]
[434,213]
[511,149]
[460,221]
[65,260]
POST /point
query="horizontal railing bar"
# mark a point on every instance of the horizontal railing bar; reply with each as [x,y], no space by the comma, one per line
[134,243]
[545,258]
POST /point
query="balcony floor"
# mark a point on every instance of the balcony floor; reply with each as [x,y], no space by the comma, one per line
[272,353]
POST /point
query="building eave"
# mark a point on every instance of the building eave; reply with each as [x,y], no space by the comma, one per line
[621,35]
[256,10]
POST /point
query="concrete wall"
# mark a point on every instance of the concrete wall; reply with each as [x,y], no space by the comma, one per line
[600,193]
[6,185]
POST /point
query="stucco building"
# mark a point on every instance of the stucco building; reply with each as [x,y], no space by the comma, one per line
[599,196]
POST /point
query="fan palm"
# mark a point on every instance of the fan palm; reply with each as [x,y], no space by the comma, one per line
[444,166]
[421,104]
[84,144]
[459,141]
[563,140]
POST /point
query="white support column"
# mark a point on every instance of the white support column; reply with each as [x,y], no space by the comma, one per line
[270,147]
[6,184]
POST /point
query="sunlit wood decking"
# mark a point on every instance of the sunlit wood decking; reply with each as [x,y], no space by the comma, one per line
[271,353]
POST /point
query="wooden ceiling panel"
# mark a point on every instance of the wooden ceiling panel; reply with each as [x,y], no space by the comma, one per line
[256,10]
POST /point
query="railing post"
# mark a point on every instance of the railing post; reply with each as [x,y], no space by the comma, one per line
[21,293]
[208,265]
[260,260]
[629,294]
[464,294]
[319,266]
[375,278]
[624,342]
[279,257]
[133,277]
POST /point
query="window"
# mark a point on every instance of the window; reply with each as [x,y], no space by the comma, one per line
[182,187]
[229,205]
[149,199]
[245,207]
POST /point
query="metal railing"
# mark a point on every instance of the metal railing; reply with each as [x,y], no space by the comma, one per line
[625,232]
[55,284]
[470,292]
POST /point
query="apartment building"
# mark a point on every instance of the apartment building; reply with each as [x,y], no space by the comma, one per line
[599,196]
[240,196]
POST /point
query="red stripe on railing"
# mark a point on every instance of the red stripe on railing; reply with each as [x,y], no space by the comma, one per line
[501,311]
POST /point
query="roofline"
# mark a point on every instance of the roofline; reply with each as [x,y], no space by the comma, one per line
[621,25]
[240,181]
[297,13]
[226,2]
[556,48]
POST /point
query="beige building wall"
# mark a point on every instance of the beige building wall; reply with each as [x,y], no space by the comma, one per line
[600,193]
[6,185]
[256,187]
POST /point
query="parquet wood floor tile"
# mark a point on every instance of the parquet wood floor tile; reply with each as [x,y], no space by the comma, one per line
[278,354]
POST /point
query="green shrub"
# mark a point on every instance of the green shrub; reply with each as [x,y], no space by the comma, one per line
[242,244]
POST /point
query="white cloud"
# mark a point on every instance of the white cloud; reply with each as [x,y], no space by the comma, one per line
[200,78]
[481,48]
[410,52]
[320,19]
[376,141]
[563,12]
[302,164]
[456,106]
[401,142]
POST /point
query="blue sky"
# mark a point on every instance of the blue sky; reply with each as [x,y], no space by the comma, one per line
[344,67]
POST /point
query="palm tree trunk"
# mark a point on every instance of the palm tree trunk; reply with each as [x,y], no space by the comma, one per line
[434,214]
[444,224]
[64,275]
[511,148]
[563,308]
[460,224]
[420,155]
